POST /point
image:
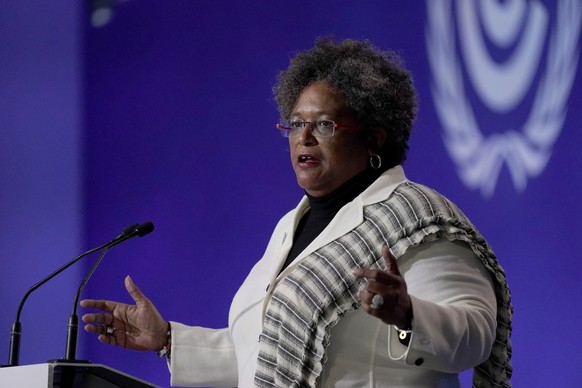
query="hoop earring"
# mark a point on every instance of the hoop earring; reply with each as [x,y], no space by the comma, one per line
[375,161]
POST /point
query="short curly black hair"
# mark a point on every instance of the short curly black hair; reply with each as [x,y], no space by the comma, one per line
[374,83]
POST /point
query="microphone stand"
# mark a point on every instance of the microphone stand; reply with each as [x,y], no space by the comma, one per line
[73,324]
[16,332]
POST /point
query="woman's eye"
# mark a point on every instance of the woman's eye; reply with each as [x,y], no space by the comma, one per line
[325,124]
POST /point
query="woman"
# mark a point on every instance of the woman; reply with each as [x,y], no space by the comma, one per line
[371,281]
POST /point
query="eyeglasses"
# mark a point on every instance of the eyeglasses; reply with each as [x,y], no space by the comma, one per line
[319,128]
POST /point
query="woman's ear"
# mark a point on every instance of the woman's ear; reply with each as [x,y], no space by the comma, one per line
[377,138]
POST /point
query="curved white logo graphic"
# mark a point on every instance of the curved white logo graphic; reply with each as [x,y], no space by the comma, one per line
[521,29]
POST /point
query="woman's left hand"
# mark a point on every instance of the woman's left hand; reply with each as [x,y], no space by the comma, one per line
[389,286]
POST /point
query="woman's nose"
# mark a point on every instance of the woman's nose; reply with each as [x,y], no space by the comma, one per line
[306,135]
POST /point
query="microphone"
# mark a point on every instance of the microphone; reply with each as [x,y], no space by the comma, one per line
[16,332]
[73,325]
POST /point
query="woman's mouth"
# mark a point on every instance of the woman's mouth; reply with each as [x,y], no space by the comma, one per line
[307,160]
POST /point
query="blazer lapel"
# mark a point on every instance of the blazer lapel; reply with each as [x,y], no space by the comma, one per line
[350,216]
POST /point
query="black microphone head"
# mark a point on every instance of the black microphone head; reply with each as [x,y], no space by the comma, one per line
[145,228]
[130,230]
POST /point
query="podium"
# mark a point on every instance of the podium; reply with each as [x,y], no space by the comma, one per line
[67,375]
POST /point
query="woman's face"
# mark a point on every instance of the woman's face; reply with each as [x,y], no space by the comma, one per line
[323,164]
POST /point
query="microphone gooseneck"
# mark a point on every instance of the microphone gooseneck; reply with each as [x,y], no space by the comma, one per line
[16,331]
[73,324]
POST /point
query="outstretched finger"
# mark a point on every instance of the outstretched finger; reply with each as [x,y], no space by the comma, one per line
[103,305]
[102,336]
[134,291]
[96,328]
[90,328]
[107,339]
[104,319]
[390,261]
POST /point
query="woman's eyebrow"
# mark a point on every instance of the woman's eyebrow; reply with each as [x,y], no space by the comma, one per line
[319,113]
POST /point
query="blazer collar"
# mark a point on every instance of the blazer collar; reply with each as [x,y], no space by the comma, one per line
[352,214]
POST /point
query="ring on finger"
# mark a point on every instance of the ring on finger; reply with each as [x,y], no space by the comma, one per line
[108,330]
[377,302]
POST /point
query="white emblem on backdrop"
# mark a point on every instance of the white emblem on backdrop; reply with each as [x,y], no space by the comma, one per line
[521,27]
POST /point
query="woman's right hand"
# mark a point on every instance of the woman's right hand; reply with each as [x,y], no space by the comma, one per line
[137,327]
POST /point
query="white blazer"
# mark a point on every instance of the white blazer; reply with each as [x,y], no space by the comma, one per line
[452,297]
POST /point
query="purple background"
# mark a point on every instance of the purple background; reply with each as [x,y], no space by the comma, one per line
[165,114]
